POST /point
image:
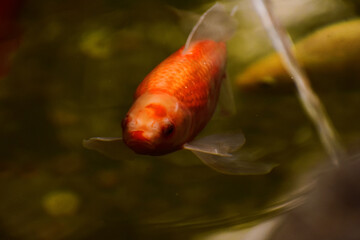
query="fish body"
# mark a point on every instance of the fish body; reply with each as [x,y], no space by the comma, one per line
[176,99]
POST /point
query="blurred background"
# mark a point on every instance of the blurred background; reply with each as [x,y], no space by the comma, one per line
[68,71]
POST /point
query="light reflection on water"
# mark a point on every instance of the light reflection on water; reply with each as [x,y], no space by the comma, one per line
[73,77]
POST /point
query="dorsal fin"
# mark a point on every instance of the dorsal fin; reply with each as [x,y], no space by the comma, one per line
[215,24]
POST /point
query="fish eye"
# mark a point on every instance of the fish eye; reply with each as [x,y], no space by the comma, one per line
[168,130]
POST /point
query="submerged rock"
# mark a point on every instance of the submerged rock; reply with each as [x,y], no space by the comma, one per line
[332,210]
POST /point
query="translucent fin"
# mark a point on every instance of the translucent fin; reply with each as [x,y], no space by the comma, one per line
[219,144]
[233,164]
[226,103]
[187,19]
[216,151]
[309,99]
[112,147]
[215,24]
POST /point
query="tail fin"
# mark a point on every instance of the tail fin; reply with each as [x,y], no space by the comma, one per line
[215,24]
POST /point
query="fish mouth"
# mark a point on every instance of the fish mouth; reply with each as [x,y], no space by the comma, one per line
[138,142]
[137,136]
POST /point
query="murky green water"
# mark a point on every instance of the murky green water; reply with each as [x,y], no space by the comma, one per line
[73,77]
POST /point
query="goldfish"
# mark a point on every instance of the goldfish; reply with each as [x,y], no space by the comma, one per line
[329,55]
[178,98]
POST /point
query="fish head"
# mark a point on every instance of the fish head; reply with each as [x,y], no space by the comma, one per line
[156,124]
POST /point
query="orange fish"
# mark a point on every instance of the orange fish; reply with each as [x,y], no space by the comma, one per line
[178,98]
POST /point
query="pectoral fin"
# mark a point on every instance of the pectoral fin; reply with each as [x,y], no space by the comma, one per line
[219,144]
[216,151]
[233,164]
[112,147]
